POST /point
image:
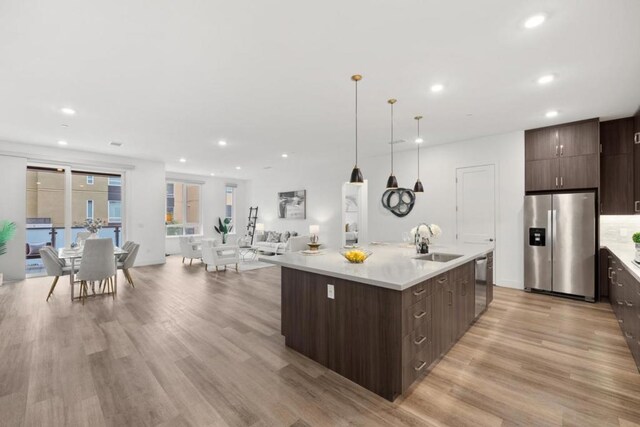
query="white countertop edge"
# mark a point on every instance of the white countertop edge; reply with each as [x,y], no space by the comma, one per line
[444,267]
[625,253]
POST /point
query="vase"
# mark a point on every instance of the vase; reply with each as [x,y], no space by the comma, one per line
[637,259]
[93,236]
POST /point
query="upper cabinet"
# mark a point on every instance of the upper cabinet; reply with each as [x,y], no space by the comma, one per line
[616,166]
[563,157]
[636,162]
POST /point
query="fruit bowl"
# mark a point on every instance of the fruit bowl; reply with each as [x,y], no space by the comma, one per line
[355,255]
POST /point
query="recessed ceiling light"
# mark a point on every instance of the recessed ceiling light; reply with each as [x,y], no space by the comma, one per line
[62,142]
[238,168]
[437,87]
[222,143]
[183,160]
[212,174]
[543,80]
[285,155]
[534,21]
[38,183]
[64,125]
[552,113]
[419,140]
[68,111]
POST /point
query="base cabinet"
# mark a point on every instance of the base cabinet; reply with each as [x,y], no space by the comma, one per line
[624,294]
[383,340]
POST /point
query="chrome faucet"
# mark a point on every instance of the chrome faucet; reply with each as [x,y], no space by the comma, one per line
[422,245]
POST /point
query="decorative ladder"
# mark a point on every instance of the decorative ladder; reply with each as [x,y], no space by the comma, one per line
[251,223]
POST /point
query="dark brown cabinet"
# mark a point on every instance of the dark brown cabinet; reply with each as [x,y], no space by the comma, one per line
[624,295]
[563,157]
[617,167]
[636,162]
[379,338]
[490,282]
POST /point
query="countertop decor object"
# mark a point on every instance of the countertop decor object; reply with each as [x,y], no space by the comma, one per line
[636,240]
[356,173]
[314,246]
[418,187]
[356,255]
[399,201]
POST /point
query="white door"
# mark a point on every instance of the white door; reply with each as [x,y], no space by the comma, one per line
[475,204]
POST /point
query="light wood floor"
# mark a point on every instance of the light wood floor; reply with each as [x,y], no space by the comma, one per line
[190,348]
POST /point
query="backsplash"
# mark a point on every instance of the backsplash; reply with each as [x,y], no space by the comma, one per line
[618,228]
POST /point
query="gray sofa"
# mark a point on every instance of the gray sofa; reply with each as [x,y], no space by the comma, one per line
[271,242]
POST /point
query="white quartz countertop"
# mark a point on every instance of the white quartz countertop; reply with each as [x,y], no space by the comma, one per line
[392,265]
[626,252]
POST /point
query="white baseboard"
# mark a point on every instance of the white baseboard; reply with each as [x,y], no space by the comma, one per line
[150,262]
[510,284]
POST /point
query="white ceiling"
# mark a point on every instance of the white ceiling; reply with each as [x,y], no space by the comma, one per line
[170,78]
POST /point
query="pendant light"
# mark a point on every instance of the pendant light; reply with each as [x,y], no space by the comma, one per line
[392,182]
[356,174]
[418,188]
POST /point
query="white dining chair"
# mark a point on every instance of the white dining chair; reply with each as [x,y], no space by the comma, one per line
[54,266]
[189,248]
[96,265]
[128,261]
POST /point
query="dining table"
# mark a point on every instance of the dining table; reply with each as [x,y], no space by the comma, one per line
[71,255]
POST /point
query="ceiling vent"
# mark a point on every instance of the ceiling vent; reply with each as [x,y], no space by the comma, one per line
[115,144]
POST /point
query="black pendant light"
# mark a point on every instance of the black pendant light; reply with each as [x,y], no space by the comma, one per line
[356,174]
[418,188]
[392,182]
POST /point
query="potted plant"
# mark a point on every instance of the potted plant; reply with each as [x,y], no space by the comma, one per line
[223,228]
[7,231]
[93,226]
[636,240]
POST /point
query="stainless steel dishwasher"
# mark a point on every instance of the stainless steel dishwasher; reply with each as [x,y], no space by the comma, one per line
[481,285]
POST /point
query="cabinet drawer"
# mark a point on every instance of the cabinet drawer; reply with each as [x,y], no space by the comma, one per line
[416,315]
[417,366]
[417,293]
[416,342]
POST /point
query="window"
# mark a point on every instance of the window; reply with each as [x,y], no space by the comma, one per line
[89,209]
[114,211]
[90,179]
[182,212]
[229,205]
[114,181]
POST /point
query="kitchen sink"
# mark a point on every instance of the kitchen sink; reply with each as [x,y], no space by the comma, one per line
[438,257]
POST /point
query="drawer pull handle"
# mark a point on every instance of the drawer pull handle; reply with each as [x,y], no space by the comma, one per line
[628,335]
[420,367]
[420,340]
[444,279]
[629,304]
[620,303]
[420,292]
[419,315]
[609,271]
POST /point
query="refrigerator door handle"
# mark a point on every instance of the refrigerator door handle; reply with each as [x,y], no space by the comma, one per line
[554,218]
[549,230]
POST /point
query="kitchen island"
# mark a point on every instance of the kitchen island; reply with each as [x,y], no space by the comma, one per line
[383,323]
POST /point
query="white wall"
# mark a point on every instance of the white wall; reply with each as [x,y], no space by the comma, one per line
[143,192]
[436,205]
[618,228]
[13,207]
[213,205]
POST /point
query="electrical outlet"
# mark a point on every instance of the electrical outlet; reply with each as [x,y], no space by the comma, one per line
[330,292]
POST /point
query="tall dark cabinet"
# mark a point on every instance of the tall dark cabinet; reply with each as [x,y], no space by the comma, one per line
[620,165]
[563,157]
[616,161]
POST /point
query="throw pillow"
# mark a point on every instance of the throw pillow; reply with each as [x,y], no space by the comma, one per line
[293,234]
[273,237]
[284,237]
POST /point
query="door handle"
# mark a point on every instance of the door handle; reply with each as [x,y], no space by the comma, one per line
[610,273]
[561,149]
[556,182]
[636,206]
[420,340]
[557,153]
[636,138]
[450,298]
[561,182]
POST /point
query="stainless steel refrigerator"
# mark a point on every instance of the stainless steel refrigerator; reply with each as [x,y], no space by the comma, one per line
[560,243]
